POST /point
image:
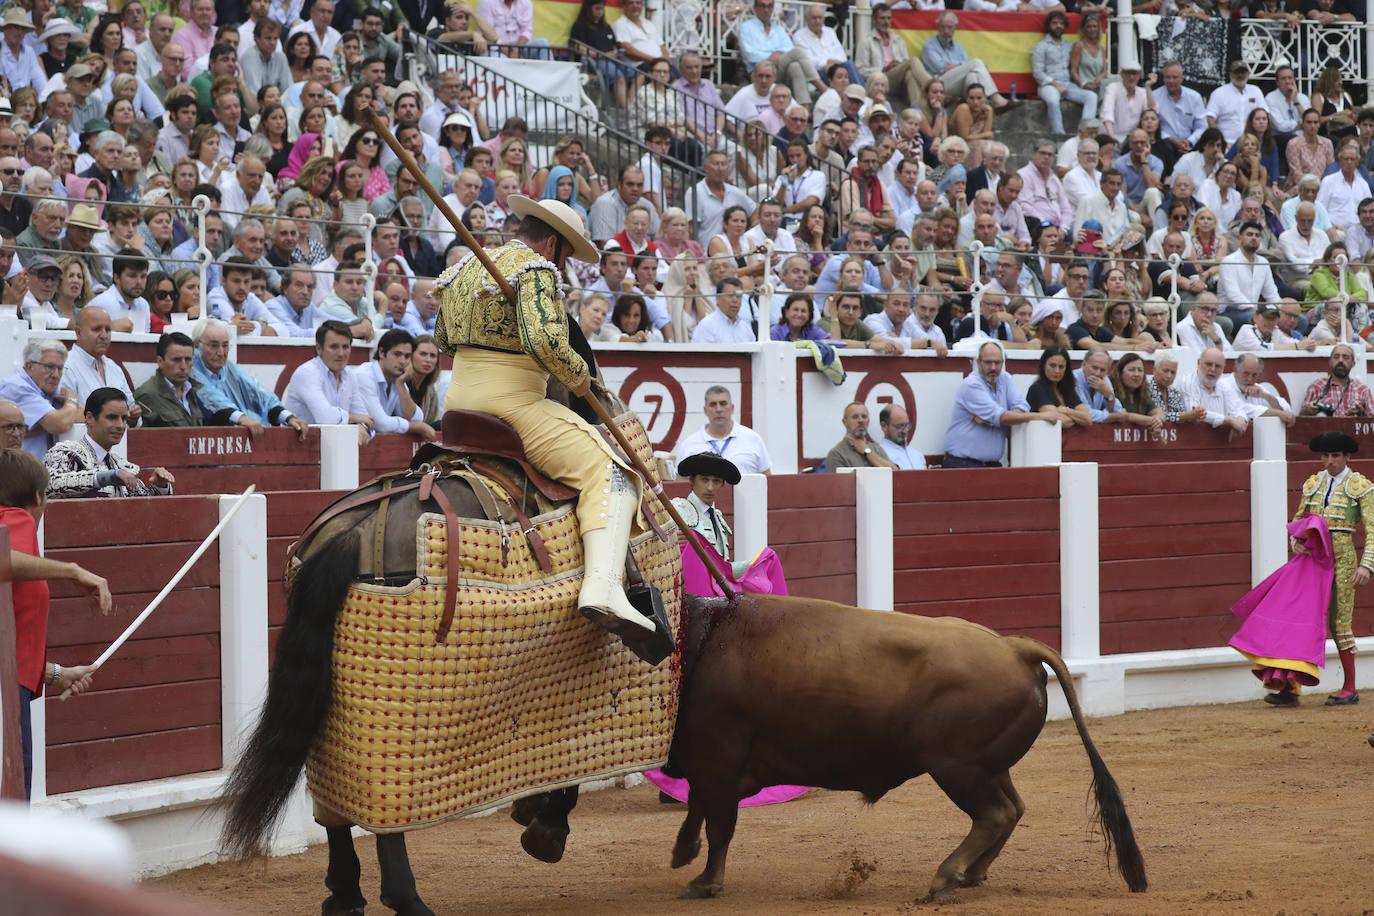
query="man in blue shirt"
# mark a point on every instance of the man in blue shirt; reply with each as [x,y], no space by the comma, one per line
[877,278]
[1140,171]
[225,385]
[762,39]
[947,61]
[897,430]
[988,403]
[1093,387]
[1182,112]
[1050,67]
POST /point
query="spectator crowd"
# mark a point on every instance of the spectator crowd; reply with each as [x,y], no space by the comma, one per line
[863,202]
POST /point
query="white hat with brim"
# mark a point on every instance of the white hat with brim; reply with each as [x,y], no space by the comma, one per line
[1046,306]
[58,26]
[566,221]
[460,119]
[17,18]
[84,217]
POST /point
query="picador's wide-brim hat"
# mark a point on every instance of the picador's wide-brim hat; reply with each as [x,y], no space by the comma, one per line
[566,221]
[708,464]
[1333,440]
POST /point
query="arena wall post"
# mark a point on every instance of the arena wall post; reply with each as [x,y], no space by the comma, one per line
[1079,636]
[775,403]
[338,457]
[1268,514]
[751,515]
[873,534]
[242,620]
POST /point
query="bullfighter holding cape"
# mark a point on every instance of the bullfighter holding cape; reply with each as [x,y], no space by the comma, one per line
[503,355]
[1285,616]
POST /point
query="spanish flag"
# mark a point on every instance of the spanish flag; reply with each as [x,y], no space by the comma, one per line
[1003,40]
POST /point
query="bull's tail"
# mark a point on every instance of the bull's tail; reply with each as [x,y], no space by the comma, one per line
[1110,812]
[298,696]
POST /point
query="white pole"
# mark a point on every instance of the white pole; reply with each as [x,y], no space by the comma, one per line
[167,589]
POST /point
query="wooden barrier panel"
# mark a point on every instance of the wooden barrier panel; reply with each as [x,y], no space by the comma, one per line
[982,544]
[1175,553]
[811,528]
[155,708]
[386,452]
[1121,443]
[226,459]
[288,513]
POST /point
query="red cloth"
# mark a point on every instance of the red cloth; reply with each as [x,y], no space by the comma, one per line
[1284,617]
[871,190]
[30,603]
[622,241]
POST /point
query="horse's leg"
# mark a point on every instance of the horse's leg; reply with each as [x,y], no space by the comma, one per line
[720,808]
[546,833]
[346,894]
[398,881]
[688,845]
[979,795]
[977,873]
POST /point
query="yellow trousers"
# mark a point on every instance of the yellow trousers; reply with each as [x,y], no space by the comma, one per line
[557,441]
[1341,614]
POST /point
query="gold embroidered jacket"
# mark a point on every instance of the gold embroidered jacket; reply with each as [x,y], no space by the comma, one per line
[1351,502]
[474,313]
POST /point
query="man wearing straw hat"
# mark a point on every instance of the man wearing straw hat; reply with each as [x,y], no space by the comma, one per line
[18,63]
[503,355]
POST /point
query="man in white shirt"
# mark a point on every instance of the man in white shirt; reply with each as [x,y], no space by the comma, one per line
[1360,238]
[822,45]
[640,38]
[234,303]
[228,110]
[1083,180]
[88,368]
[726,438]
[1245,278]
[1255,398]
[1286,105]
[769,229]
[326,36]
[896,323]
[1199,330]
[1108,206]
[1222,406]
[1303,247]
[1342,191]
[897,429]
[799,187]
[323,390]
[1228,106]
[123,300]
[1264,334]
[241,189]
[1068,300]
[726,325]
[381,383]
[709,198]
[1208,155]
[750,100]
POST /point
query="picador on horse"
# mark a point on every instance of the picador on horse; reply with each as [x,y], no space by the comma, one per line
[434,661]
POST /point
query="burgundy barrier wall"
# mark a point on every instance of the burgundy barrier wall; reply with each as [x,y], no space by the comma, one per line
[811,528]
[1174,545]
[156,708]
[980,544]
[1120,443]
[226,459]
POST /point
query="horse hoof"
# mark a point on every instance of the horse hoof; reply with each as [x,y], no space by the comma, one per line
[943,893]
[336,906]
[524,811]
[413,907]
[684,854]
[696,891]
[543,843]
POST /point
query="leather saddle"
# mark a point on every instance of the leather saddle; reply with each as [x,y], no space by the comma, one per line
[473,434]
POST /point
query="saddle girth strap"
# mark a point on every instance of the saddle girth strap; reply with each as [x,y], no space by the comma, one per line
[354,502]
[453,529]
[379,536]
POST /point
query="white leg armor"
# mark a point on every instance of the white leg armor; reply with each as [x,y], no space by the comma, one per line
[602,598]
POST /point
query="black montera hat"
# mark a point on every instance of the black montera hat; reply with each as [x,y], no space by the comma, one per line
[709,464]
[1333,440]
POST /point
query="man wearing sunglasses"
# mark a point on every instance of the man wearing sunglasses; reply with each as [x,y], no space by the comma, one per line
[49,409]
[15,212]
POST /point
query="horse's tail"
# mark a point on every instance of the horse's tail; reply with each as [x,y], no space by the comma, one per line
[1110,814]
[298,696]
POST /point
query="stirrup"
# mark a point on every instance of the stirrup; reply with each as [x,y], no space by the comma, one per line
[652,645]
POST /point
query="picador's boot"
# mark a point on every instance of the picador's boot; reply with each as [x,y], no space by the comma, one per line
[602,598]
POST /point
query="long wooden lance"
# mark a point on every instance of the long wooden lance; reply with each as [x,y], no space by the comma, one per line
[409,163]
[171,584]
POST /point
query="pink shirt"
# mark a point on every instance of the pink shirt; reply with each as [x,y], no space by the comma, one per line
[512,21]
[195,43]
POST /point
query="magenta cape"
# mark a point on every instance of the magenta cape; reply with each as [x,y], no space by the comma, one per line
[1283,619]
[763,576]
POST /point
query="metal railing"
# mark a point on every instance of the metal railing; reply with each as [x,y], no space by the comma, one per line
[712,29]
[610,147]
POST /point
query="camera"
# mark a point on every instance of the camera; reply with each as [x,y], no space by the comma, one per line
[1324,408]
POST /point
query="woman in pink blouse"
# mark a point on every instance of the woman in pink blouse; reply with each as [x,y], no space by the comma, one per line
[1308,153]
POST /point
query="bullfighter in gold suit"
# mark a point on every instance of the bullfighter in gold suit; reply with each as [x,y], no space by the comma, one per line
[1345,499]
[503,355]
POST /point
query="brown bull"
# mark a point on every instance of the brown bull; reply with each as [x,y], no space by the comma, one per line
[804,692]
